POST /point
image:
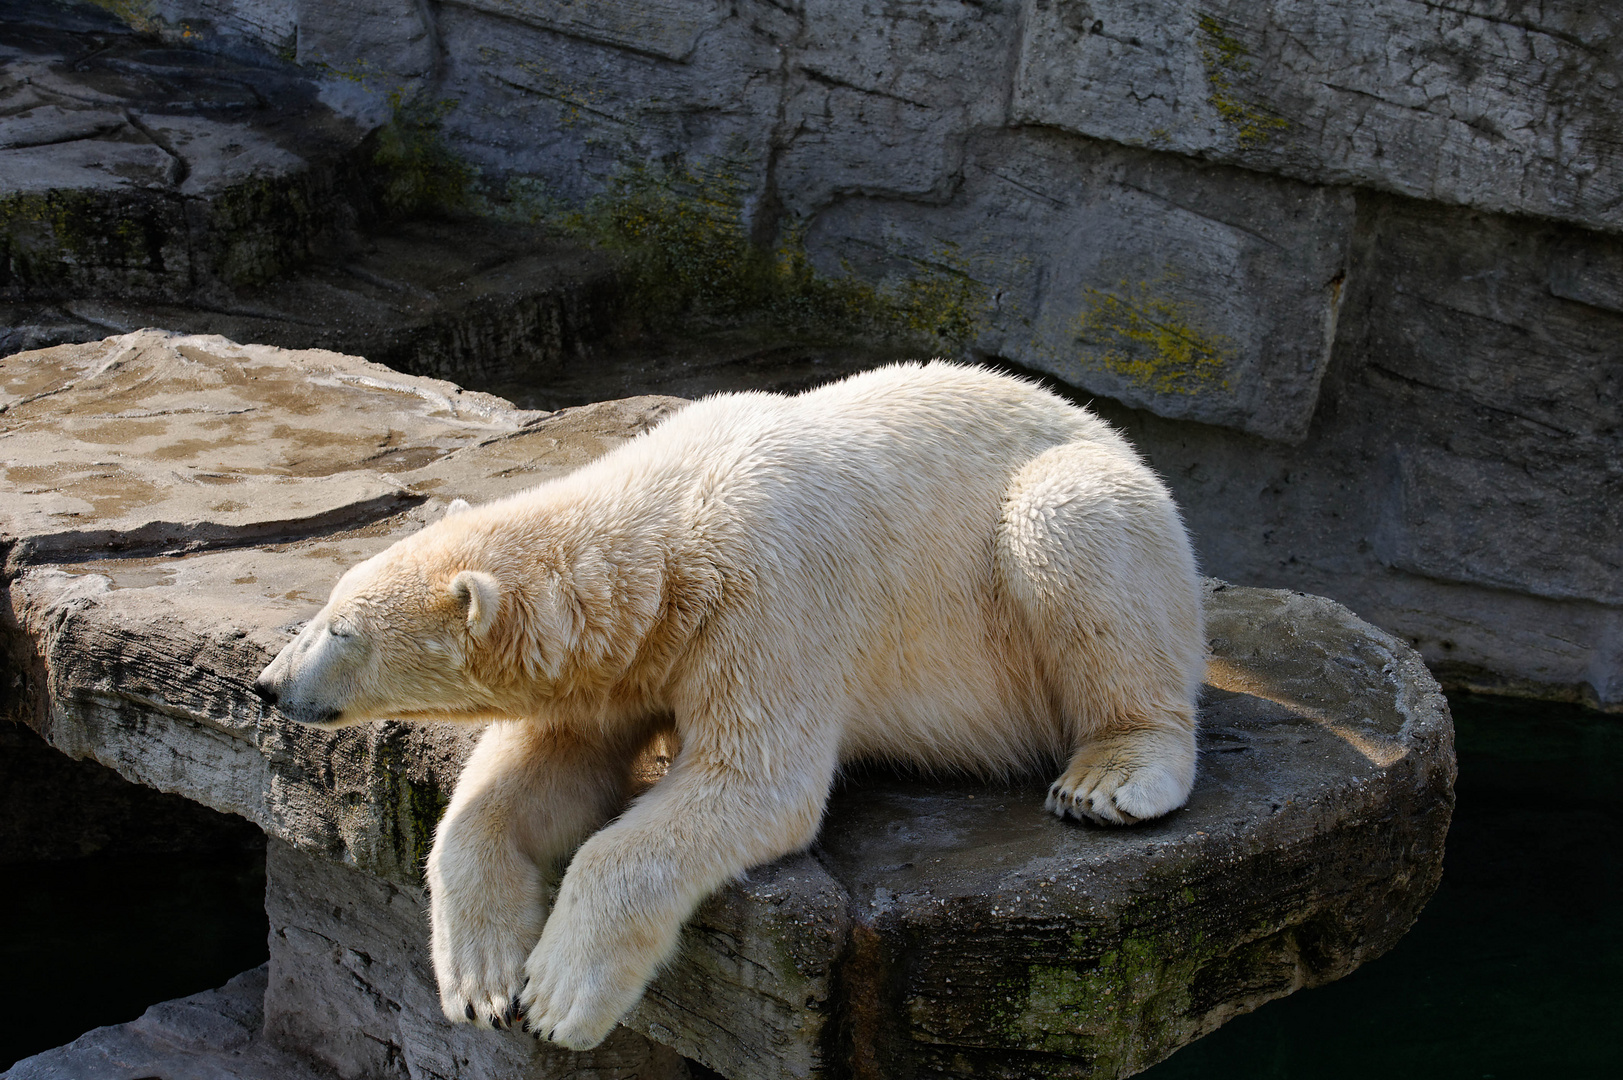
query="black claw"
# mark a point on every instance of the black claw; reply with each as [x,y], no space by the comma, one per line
[514,1008]
[496,1022]
[469,1010]
[551,1033]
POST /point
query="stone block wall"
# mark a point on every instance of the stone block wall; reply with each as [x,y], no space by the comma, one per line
[1351,271]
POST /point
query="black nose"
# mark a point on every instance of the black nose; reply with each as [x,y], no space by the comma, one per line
[266,692]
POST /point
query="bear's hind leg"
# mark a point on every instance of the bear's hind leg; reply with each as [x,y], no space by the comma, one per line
[1097,566]
[526,797]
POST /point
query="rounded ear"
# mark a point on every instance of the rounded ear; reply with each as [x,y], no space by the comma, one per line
[483,595]
[458,506]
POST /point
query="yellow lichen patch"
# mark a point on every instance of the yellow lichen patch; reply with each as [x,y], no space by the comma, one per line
[1151,339]
[1227,60]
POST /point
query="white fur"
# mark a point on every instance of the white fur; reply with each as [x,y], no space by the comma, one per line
[925,563]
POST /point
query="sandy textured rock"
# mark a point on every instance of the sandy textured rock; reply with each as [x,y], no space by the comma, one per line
[217,583]
[1313,837]
[156,443]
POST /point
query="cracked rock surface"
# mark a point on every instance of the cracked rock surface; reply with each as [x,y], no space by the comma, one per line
[937,926]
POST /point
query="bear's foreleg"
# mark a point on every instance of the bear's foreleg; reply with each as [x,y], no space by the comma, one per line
[526,797]
[629,889]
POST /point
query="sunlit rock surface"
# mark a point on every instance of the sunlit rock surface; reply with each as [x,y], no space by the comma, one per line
[938,925]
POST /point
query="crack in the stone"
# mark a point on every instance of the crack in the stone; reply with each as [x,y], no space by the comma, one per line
[823,78]
[1526,27]
[181,168]
[1175,204]
[166,539]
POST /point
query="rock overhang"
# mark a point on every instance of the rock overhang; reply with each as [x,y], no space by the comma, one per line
[936,924]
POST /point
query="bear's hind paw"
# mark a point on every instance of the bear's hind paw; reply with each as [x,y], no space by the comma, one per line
[1111,783]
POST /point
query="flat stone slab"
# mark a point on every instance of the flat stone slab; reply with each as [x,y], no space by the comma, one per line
[938,925]
[162,443]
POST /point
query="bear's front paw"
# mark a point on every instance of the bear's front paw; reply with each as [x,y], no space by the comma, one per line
[579,988]
[1120,782]
[482,991]
[480,977]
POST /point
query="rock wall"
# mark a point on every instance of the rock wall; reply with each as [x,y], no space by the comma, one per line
[1351,271]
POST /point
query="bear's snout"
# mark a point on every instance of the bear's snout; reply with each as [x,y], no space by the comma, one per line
[266,691]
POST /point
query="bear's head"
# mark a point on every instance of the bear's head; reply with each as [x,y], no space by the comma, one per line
[423,631]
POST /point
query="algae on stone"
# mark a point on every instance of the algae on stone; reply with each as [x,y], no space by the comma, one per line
[691,260]
[417,172]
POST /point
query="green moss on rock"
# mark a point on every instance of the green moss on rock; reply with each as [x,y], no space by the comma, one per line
[691,264]
[415,171]
[62,241]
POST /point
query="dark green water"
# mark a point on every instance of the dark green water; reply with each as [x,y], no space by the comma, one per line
[1515,968]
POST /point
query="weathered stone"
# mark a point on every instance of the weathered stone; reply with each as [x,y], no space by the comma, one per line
[990,940]
[369,37]
[471,301]
[214,1035]
[1460,480]
[1314,835]
[755,990]
[666,28]
[349,984]
[1136,274]
[299,420]
[272,24]
[1504,106]
[879,99]
[170,444]
[137,170]
[573,113]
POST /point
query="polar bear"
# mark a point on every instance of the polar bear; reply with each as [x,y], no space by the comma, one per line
[933,564]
